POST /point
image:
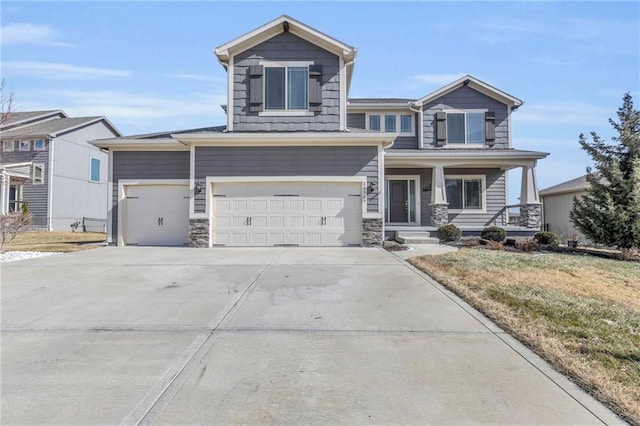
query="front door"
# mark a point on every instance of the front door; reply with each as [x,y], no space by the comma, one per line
[398,201]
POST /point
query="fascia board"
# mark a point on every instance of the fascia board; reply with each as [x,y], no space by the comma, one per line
[475,84]
[480,155]
[285,139]
[138,143]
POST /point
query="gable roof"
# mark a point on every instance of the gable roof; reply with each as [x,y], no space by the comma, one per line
[283,24]
[18,118]
[573,185]
[54,128]
[477,85]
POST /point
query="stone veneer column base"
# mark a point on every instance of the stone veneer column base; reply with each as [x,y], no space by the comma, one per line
[531,216]
[198,232]
[372,233]
[439,214]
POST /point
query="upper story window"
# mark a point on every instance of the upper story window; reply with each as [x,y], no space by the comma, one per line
[472,127]
[25,146]
[39,145]
[390,123]
[286,88]
[38,174]
[94,170]
[7,146]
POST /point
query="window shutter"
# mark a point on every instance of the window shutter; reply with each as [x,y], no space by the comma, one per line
[490,127]
[315,87]
[441,128]
[256,88]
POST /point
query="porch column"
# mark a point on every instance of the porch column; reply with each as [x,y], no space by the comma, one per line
[439,204]
[530,207]
[4,193]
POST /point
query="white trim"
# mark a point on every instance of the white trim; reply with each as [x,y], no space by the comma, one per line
[509,125]
[398,120]
[20,142]
[5,144]
[230,92]
[44,145]
[475,84]
[192,178]
[483,189]
[342,75]
[286,112]
[110,200]
[284,64]
[35,166]
[122,183]
[50,185]
[416,190]
[381,192]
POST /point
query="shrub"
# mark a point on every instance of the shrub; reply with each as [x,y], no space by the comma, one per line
[546,237]
[493,233]
[527,245]
[495,245]
[12,224]
[450,232]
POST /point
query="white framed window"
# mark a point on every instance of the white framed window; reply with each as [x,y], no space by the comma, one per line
[25,145]
[39,145]
[7,146]
[38,174]
[465,127]
[374,122]
[466,193]
[391,123]
[94,169]
[286,86]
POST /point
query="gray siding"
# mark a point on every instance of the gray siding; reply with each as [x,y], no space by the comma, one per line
[466,98]
[425,196]
[495,197]
[286,161]
[287,47]
[356,120]
[145,165]
[36,195]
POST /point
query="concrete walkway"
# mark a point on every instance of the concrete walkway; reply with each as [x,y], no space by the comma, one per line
[257,336]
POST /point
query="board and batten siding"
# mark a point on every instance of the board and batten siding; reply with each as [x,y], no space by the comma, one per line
[131,165]
[281,48]
[286,161]
[465,98]
[495,198]
[36,195]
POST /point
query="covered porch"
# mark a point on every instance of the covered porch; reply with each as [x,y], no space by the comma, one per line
[12,177]
[425,190]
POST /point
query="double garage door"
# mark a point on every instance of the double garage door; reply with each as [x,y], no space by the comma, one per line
[250,214]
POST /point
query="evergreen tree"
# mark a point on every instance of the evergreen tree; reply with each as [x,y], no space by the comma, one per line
[610,211]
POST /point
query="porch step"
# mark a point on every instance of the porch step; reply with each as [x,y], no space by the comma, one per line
[415,237]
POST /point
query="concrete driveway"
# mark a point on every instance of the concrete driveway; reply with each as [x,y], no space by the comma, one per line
[280,335]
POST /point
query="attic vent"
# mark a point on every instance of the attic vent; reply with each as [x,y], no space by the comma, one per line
[285,26]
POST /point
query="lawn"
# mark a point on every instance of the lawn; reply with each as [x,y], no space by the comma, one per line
[63,242]
[580,313]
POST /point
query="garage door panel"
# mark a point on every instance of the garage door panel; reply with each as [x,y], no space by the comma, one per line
[300,213]
[156,215]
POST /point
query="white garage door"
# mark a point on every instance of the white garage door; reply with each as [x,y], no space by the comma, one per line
[299,213]
[157,215]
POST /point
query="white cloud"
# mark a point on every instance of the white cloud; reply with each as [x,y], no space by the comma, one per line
[31,34]
[438,79]
[59,71]
[562,113]
[196,77]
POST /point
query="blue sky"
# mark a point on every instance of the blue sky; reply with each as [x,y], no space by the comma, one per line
[149,66]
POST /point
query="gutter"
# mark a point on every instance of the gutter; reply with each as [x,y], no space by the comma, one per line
[420,136]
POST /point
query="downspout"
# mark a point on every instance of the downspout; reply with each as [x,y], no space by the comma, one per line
[225,65]
[50,184]
[346,92]
[419,128]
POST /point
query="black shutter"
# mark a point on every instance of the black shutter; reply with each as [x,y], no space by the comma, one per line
[441,128]
[490,127]
[315,87]
[256,90]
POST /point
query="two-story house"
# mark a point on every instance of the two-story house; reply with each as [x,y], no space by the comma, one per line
[48,167]
[298,163]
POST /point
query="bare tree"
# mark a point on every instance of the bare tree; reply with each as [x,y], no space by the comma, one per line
[7,106]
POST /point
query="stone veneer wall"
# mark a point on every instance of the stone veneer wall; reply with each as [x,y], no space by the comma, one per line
[531,216]
[198,232]
[372,233]
[439,214]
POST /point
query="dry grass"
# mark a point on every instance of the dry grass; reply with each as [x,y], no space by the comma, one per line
[63,242]
[581,313]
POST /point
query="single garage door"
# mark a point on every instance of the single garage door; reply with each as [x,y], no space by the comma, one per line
[277,213]
[157,215]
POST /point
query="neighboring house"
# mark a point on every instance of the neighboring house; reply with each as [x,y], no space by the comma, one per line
[47,164]
[557,202]
[298,163]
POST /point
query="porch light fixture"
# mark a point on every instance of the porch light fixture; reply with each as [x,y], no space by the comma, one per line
[373,187]
[199,187]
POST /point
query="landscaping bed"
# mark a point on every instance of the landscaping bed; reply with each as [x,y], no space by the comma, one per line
[580,313]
